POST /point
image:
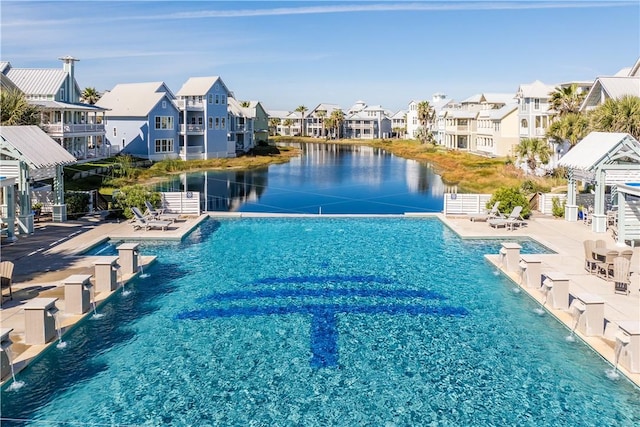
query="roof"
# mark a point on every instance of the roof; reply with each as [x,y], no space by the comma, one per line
[399,115]
[537,89]
[35,146]
[4,66]
[462,114]
[498,113]
[40,81]
[237,109]
[278,114]
[198,86]
[57,105]
[595,149]
[133,99]
[614,87]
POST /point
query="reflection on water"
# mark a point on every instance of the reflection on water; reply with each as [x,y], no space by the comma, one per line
[326,178]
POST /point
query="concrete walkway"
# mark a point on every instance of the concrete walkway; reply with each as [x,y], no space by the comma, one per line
[52,253]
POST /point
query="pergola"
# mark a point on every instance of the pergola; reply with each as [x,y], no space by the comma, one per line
[27,153]
[604,159]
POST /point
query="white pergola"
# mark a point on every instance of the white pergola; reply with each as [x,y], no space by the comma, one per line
[28,153]
[604,159]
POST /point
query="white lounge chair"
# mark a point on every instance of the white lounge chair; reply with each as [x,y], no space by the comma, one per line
[513,220]
[140,221]
[159,213]
[490,214]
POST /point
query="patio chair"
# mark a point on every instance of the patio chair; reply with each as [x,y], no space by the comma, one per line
[627,253]
[590,262]
[159,213]
[620,275]
[604,268]
[489,214]
[140,221]
[6,277]
[601,243]
[513,220]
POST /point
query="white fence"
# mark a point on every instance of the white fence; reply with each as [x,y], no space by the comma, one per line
[187,203]
[545,202]
[461,204]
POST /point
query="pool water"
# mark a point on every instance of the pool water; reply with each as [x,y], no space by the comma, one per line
[322,321]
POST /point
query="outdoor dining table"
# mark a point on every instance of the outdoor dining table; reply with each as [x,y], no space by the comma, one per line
[600,254]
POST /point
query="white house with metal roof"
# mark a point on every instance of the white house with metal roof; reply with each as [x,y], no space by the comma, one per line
[203,130]
[315,120]
[77,127]
[142,119]
[497,131]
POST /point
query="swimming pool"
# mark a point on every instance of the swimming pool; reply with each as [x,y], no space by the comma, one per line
[318,321]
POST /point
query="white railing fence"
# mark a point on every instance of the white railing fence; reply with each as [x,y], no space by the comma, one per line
[545,202]
[187,203]
[461,204]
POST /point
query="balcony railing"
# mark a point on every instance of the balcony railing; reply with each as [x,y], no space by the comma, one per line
[60,128]
[192,129]
[187,104]
[540,132]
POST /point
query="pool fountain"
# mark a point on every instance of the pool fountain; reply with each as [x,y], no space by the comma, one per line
[6,361]
[622,340]
[77,293]
[577,308]
[106,273]
[40,320]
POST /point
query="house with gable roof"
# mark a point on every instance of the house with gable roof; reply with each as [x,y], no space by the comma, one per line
[142,119]
[260,118]
[241,128]
[203,131]
[315,120]
[367,122]
[399,124]
[625,82]
[76,126]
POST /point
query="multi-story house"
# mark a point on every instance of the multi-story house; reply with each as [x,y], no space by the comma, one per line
[399,124]
[368,123]
[625,82]
[497,131]
[260,117]
[203,131]
[78,127]
[279,116]
[241,126]
[142,119]
[315,120]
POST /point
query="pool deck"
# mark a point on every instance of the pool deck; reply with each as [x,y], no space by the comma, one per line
[43,260]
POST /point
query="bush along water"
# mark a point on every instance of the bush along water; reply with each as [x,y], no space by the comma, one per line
[509,198]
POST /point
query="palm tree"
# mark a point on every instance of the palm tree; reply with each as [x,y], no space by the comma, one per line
[338,118]
[273,125]
[617,115]
[245,104]
[425,116]
[15,110]
[571,127]
[321,115]
[301,109]
[89,95]
[566,99]
[533,151]
[288,123]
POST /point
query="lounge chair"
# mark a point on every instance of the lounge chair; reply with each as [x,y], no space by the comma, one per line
[513,220]
[6,276]
[490,214]
[159,213]
[590,262]
[621,275]
[140,221]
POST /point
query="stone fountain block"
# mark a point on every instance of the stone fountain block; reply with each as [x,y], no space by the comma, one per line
[510,256]
[128,257]
[77,293]
[106,273]
[5,343]
[558,284]
[39,320]
[630,353]
[531,270]
[591,322]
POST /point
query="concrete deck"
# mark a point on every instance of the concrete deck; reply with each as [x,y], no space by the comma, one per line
[43,260]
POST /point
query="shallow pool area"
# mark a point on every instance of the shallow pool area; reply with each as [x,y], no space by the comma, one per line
[322,321]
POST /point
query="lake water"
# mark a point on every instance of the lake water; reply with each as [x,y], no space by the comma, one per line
[326,178]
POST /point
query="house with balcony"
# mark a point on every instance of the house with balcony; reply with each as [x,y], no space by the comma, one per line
[203,127]
[77,127]
[315,120]
[399,124]
[534,113]
[497,131]
[258,113]
[241,126]
[369,122]
[142,119]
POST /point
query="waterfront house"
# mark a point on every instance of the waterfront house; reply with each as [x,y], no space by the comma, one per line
[240,122]
[142,119]
[315,120]
[258,113]
[497,131]
[625,82]
[399,124]
[203,131]
[76,126]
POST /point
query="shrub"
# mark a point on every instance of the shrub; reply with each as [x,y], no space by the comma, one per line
[557,208]
[134,195]
[77,204]
[509,198]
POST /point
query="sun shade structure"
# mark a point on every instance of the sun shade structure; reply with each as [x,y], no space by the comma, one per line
[27,153]
[604,159]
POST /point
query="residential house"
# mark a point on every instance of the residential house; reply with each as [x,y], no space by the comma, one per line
[77,127]
[315,120]
[497,131]
[240,122]
[142,119]
[260,121]
[280,116]
[399,124]
[625,82]
[203,131]
[369,122]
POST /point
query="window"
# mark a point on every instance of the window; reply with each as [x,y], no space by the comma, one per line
[164,104]
[496,126]
[524,123]
[164,122]
[224,123]
[210,98]
[200,99]
[62,93]
[115,132]
[164,145]
[524,104]
[222,99]
[462,122]
[217,122]
[210,122]
[217,99]
[200,120]
[536,104]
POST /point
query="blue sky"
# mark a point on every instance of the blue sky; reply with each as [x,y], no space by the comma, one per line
[293,53]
